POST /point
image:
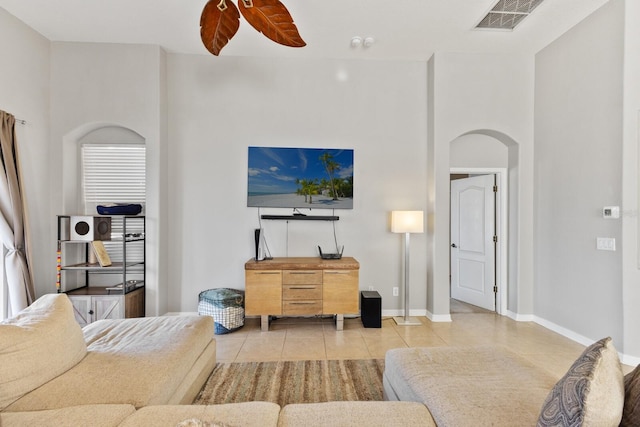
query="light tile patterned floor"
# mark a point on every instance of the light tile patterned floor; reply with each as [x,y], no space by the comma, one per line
[316,339]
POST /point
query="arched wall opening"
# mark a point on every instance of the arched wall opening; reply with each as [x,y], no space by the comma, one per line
[71,143]
[498,152]
[101,132]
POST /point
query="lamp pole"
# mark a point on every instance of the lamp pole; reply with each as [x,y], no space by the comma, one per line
[407,222]
[407,240]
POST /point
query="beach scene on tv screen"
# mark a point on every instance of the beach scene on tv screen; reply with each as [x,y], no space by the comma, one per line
[300,178]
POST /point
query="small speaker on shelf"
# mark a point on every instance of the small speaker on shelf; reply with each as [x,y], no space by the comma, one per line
[89,228]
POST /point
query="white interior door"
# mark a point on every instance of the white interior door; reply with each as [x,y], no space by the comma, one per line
[472,241]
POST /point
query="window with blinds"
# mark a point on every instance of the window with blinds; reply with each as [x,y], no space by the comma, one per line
[114,174]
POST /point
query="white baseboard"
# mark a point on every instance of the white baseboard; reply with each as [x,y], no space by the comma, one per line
[439,317]
[563,331]
[519,317]
[418,313]
[580,339]
[412,313]
[629,360]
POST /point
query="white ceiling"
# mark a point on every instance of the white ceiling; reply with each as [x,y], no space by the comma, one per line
[403,29]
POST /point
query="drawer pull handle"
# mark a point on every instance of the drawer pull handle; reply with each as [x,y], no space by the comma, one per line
[303,272]
[302,303]
[268,272]
[336,272]
[302,287]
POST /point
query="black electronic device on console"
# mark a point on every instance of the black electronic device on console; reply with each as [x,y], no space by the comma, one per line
[337,255]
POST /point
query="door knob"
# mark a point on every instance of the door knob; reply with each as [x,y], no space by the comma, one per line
[453,245]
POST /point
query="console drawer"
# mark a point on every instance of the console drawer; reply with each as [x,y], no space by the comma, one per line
[302,292]
[301,307]
[302,277]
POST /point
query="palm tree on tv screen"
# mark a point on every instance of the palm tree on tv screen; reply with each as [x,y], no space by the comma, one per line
[308,187]
[330,166]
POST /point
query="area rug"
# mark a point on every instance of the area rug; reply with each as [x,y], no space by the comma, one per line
[284,382]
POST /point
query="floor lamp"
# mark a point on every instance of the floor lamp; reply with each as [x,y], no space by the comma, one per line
[407,222]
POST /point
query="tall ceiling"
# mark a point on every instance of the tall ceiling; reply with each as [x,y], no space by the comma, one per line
[402,29]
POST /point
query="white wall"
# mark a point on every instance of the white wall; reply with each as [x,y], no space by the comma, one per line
[630,186]
[200,113]
[484,95]
[578,156]
[478,151]
[221,105]
[24,92]
[95,85]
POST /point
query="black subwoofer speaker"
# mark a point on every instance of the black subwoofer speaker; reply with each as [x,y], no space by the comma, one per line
[371,309]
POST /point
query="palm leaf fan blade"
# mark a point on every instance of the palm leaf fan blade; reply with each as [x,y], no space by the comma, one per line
[271,18]
[219,22]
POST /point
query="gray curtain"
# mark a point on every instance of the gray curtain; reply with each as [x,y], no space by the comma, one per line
[12,219]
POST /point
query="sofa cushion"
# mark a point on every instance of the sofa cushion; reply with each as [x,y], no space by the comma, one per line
[631,410]
[73,416]
[591,393]
[246,414]
[195,422]
[38,344]
[355,414]
[462,386]
[140,361]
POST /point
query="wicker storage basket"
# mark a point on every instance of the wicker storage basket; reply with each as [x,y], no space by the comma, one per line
[225,305]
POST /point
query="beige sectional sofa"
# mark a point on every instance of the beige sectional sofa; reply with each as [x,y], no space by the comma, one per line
[140,372]
[146,372]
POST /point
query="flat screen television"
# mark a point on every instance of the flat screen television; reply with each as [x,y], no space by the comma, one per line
[315,178]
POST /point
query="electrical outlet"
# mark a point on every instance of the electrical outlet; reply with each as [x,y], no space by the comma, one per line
[605,244]
[371,288]
[396,291]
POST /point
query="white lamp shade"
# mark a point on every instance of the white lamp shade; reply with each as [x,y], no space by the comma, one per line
[407,222]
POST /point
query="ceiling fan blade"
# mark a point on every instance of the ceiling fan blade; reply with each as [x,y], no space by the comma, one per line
[219,22]
[271,18]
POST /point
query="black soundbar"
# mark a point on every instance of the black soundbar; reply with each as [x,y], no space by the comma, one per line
[302,217]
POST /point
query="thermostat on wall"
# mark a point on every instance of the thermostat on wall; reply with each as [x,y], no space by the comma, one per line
[611,212]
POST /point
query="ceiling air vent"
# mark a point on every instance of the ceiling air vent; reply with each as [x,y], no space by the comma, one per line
[506,14]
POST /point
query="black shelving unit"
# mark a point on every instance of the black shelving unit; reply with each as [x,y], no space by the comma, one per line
[117,290]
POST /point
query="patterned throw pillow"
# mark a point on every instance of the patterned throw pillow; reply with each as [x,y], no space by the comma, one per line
[591,393]
[631,411]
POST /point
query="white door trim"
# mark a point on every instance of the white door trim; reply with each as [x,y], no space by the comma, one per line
[501,228]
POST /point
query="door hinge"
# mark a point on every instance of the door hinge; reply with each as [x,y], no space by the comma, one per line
[495,239]
[495,188]
[495,289]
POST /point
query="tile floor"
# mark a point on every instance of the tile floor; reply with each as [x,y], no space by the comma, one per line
[316,338]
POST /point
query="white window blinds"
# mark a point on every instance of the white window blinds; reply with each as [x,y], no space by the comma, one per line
[114,173]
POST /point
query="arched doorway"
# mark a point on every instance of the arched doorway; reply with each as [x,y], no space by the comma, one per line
[482,152]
